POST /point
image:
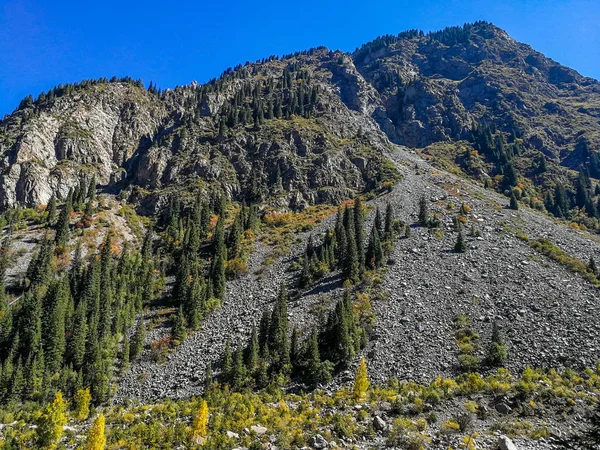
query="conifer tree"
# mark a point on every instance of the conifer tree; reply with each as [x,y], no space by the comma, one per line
[461,245]
[77,339]
[219,260]
[252,352]
[51,422]
[106,291]
[295,347]
[137,343]
[62,224]
[235,235]
[239,370]
[263,332]
[361,381]
[374,250]
[313,359]
[54,340]
[306,273]
[179,332]
[591,266]
[423,212]
[359,233]
[514,203]
[91,192]
[125,355]
[350,268]
[278,331]
[96,439]
[389,221]
[88,214]
[378,223]
[51,210]
[228,362]
[497,353]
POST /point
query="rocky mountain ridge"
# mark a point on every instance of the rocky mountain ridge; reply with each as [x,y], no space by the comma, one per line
[412,89]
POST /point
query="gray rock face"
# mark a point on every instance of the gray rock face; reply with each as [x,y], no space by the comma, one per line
[47,149]
[433,89]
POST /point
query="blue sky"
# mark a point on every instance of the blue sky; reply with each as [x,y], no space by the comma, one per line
[43,43]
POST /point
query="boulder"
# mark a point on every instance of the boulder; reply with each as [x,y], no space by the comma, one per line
[318,442]
[505,443]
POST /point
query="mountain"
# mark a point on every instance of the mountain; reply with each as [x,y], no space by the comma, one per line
[422,213]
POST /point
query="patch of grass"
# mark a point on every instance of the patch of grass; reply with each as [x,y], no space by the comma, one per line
[557,254]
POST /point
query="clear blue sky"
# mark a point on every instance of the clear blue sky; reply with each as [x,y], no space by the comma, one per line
[43,42]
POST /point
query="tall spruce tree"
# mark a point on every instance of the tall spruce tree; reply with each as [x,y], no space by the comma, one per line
[278,332]
[359,213]
[423,212]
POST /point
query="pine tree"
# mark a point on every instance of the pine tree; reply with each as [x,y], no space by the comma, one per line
[514,203]
[423,212]
[278,332]
[389,221]
[252,352]
[54,341]
[263,332]
[239,370]
[125,355]
[378,223]
[96,439]
[77,339]
[219,260]
[295,347]
[88,213]
[350,269]
[62,225]
[178,331]
[497,353]
[228,363]
[51,422]
[51,210]
[591,266]
[361,381]
[461,245]
[235,235]
[359,233]
[306,272]
[374,250]
[91,192]
[137,343]
[313,359]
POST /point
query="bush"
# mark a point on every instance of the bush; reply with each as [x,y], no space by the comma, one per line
[450,426]
[236,268]
[469,363]
[161,347]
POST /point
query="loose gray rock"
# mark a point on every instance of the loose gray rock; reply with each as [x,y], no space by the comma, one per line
[379,424]
[318,442]
[259,430]
[505,443]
